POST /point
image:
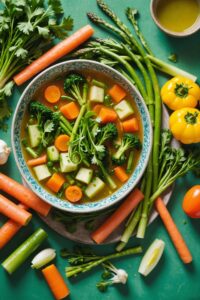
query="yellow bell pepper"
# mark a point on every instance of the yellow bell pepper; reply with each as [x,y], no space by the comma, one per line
[180,92]
[185,125]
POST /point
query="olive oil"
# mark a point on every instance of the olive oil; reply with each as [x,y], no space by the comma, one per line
[178,15]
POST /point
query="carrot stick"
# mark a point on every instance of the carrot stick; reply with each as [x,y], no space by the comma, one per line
[70,110]
[133,199]
[107,115]
[52,94]
[37,161]
[173,231]
[14,212]
[130,125]
[9,229]
[23,194]
[55,182]
[61,142]
[55,53]
[120,174]
[73,193]
[55,282]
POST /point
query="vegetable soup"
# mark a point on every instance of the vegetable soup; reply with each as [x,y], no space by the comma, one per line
[81,136]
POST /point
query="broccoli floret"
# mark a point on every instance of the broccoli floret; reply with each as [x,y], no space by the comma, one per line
[129,141]
[109,131]
[40,111]
[73,85]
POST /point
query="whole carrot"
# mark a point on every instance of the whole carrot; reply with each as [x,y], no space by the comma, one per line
[9,229]
[14,212]
[55,53]
[101,233]
[173,231]
[23,194]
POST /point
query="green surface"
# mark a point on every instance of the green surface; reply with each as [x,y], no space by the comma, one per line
[171,279]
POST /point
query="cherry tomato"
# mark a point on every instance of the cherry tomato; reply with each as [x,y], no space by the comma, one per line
[191,202]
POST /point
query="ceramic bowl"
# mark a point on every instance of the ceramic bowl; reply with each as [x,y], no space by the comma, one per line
[43,78]
[194,28]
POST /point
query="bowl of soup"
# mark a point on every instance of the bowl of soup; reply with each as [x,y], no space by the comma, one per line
[81,136]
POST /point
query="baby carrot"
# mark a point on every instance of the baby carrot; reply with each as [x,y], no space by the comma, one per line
[9,229]
[173,231]
[23,194]
[113,221]
[55,281]
[61,142]
[120,174]
[55,182]
[73,193]
[70,110]
[58,51]
[117,93]
[14,212]
[52,94]
[37,161]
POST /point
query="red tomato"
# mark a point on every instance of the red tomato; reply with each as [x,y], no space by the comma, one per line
[191,202]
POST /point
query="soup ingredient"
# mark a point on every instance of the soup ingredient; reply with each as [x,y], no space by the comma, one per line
[66,165]
[96,94]
[84,175]
[4,152]
[107,115]
[55,182]
[130,125]
[124,109]
[35,135]
[73,193]
[173,231]
[191,202]
[23,194]
[52,94]
[55,282]
[129,141]
[58,51]
[27,29]
[18,256]
[95,187]
[61,142]
[121,213]
[43,258]
[130,162]
[96,109]
[113,275]
[185,125]
[37,161]
[53,154]
[16,213]
[82,261]
[180,92]
[117,93]
[177,15]
[73,85]
[42,172]
[70,110]
[9,229]
[120,174]
[151,257]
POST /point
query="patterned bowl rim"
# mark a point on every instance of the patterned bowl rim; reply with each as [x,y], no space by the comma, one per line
[143,159]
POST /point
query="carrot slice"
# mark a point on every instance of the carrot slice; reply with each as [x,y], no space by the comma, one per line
[130,125]
[120,174]
[52,94]
[70,110]
[23,194]
[97,108]
[117,93]
[107,115]
[9,229]
[55,281]
[59,50]
[73,193]
[14,212]
[37,161]
[173,231]
[112,222]
[61,142]
[55,182]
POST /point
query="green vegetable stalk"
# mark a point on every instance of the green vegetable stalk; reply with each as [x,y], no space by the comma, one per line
[16,258]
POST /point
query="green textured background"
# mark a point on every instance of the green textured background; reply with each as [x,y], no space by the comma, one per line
[171,279]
